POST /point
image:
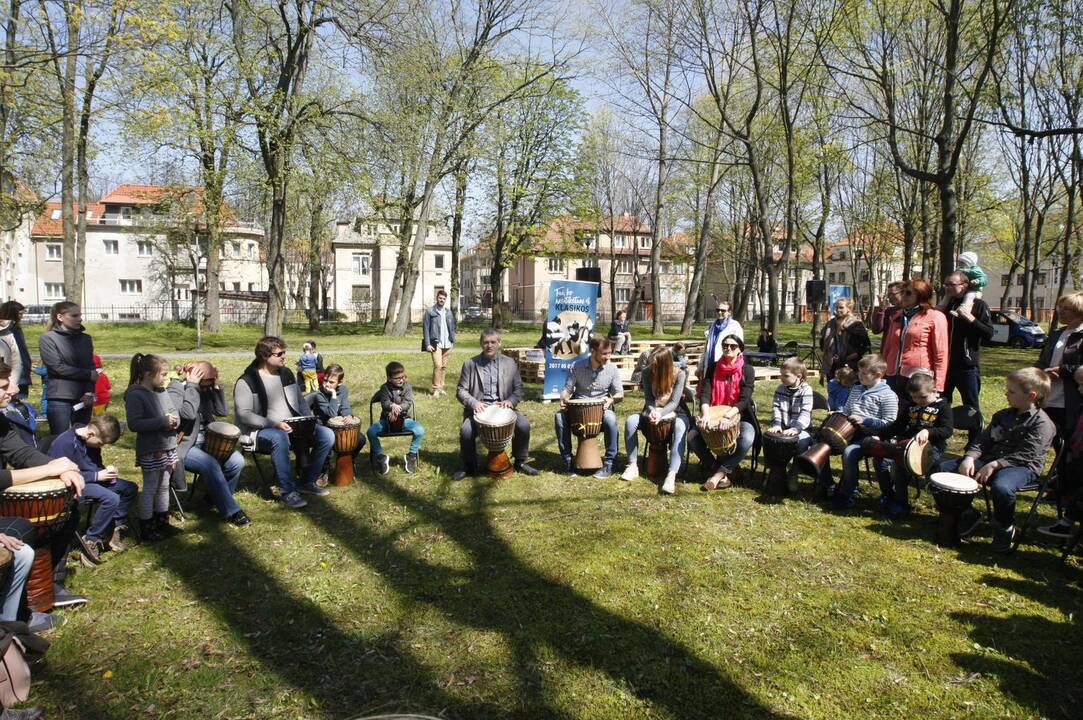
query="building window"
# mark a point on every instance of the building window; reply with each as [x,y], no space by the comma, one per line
[360,264]
[112,247]
[56,214]
[236,287]
[840,255]
[131,287]
[251,251]
[625,265]
[644,242]
[619,242]
[591,262]
[1040,278]
[54,252]
[234,250]
[252,287]
[145,248]
[1006,280]
[54,290]
[624,295]
[556,265]
[438,261]
[864,276]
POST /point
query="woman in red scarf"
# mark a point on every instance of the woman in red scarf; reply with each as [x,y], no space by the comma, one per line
[729,381]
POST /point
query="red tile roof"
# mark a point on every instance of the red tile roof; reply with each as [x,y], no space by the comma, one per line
[129,194]
[46,226]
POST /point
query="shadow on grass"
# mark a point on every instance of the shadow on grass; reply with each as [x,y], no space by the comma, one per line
[537,615]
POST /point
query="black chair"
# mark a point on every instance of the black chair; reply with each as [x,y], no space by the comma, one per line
[388,433]
[819,401]
[757,441]
[1040,486]
[970,420]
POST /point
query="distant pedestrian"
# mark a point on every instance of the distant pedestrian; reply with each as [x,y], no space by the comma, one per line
[438,339]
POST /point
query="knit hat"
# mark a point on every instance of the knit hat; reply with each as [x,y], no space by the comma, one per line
[968,259]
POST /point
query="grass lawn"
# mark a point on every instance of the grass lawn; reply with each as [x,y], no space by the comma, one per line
[555,597]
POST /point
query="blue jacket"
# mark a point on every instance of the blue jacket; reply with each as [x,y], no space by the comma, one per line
[69,445]
[430,327]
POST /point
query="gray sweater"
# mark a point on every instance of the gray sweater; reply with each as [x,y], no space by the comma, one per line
[676,402]
[792,408]
[250,413]
[147,411]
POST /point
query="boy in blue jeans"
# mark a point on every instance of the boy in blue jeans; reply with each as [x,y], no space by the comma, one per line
[396,399]
[872,407]
[82,444]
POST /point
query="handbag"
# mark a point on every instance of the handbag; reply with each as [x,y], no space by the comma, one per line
[14,675]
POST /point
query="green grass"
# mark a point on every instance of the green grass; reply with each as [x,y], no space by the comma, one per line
[555,597]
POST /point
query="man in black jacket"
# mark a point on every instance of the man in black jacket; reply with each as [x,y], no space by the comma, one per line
[965,332]
[21,463]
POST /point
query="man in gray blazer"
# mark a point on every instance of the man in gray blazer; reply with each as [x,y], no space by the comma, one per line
[490,378]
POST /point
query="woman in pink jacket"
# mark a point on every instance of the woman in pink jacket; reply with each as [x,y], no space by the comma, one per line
[916,338]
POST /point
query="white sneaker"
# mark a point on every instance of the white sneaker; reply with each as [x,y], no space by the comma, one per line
[630,473]
[669,487]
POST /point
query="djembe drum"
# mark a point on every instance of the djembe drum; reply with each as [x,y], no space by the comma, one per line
[722,443]
[914,457]
[302,436]
[585,416]
[347,442]
[953,493]
[834,434]
[47,504]
[496,427]
[778,450]
[658,435]
[220,439]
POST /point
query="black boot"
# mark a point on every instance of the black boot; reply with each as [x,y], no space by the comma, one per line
[168,530]
[150,530]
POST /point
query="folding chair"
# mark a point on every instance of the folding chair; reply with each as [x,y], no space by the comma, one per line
[1041,486]
[388,433]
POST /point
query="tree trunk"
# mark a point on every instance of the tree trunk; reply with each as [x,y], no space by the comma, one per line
[212,207]
[276,262]
[657,327]
[703,242]
[461,179]
[315,263]
[72,284]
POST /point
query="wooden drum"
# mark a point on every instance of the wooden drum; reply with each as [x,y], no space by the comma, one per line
[347,443]
[658,436]
[835,434]
[220,440]
[953,493]
[47,504]
[585,416]
[722,442]
[496,426]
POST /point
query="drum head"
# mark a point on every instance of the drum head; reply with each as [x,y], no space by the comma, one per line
[224,429]
[336,422]
[716,413]
[668,417]
[919,458]
[953,482]
[48,485]
[586,401]
[496,415]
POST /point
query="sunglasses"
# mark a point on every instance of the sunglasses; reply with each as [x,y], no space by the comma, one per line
[730,346]
[280,353]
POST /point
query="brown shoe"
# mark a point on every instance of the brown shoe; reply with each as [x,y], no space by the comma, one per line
[116,540]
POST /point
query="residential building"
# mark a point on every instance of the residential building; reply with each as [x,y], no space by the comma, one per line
[569,244]
[365,252]
[135,265]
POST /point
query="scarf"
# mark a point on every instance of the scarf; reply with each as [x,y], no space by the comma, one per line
[726,382]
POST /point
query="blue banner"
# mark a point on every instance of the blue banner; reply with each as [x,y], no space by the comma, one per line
[834,293]
[572,306]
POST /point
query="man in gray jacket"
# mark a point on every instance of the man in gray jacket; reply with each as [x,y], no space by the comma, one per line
[490,378]
[265,395]
[438,338]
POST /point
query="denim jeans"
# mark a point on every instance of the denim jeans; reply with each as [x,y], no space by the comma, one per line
[967,381]
[13,589]
[61,416]
[220,479]
[564,435]
[114,501]
[381,426]
[730,462]
[676,440]
[1003,487]
[276,443]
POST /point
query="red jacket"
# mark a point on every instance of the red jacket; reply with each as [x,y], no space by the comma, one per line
[103,390]
[925,346]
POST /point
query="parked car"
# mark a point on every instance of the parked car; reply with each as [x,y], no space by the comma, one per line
[474,314]
[36,314]
[1014,330]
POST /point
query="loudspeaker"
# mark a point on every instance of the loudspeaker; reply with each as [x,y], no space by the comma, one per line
[815,294]
[590,274]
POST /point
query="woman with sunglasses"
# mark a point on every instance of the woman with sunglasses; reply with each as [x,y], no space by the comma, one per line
[844,339]
[723,326]
[727,381]
[916,338]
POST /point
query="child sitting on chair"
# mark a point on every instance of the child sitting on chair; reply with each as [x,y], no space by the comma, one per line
[396,398]
[791,415]
[926,418]
[331,401]
[82,444]
[838,387]
[1010,454]
[872,407]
